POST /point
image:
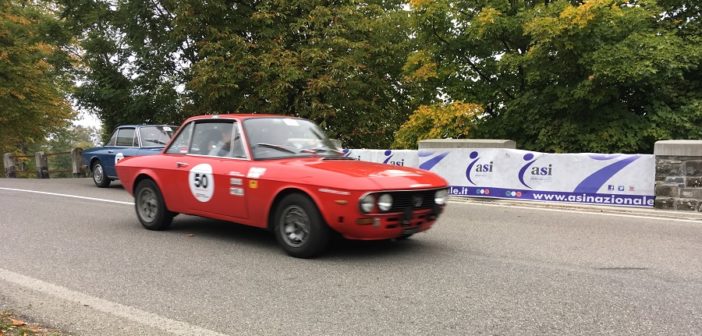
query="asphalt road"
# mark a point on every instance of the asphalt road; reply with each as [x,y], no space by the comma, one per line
[87,266]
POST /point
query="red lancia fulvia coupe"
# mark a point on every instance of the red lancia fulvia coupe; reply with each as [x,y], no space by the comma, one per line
[283,174]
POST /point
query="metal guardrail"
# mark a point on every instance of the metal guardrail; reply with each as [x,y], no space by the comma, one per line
[59,164]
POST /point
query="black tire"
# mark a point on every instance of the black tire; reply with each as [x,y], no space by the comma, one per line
[404,237]
[299,227]
[99,178]
[150,207]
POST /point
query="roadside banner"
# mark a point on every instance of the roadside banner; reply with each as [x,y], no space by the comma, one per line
[397,157]
[608,179]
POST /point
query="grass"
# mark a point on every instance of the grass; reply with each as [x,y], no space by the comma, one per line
[12,325]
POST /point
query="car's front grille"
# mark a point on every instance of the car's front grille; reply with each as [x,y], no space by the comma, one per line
[421,199]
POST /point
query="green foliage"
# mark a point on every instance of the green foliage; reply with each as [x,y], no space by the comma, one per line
[33,83]
[338,63]
[554,75]
[598,75]
[130,61]
[441,121]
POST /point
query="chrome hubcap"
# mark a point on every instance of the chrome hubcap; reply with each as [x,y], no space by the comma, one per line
[147,205]
[295,226]
[97,173]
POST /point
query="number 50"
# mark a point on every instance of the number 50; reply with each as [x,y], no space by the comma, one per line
[200,180]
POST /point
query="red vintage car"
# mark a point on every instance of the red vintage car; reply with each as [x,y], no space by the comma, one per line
[283,174]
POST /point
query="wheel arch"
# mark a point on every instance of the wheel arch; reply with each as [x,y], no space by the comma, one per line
[282,193]
[145,174]
[92,161]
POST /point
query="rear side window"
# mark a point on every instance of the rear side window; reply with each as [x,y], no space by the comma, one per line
[180,144]
[125,137]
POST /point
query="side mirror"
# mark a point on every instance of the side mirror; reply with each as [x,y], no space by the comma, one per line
[336,143]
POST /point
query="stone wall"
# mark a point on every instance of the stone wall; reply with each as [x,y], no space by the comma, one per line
[679,175]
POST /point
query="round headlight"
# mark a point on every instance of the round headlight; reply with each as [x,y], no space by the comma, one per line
[367,203]
[385,202]
[441,196]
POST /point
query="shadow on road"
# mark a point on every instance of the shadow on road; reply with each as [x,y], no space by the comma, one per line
[339,248]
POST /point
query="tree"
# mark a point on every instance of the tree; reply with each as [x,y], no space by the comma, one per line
[597,75]
[33,80]
[131,71]
[455,120]
[338,63]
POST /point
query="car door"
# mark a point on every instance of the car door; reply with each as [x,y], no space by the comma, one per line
[124,142]
[210,180]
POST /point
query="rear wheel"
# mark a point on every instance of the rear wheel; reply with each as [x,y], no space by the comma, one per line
[150,207]
[101,180]
[299,227]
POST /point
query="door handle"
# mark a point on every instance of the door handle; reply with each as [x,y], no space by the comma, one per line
[110,151]
[182,164]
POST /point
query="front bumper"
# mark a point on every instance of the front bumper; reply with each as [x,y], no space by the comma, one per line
[379,226]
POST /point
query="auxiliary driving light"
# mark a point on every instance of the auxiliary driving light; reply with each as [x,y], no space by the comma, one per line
[441,196]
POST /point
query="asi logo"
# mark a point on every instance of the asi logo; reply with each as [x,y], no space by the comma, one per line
[480,169]
[533,170]
[201,182]
[348,153]
[388,159]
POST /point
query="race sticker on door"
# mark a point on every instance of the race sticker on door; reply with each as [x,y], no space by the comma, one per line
[118,157]
[256,172]
[201,182]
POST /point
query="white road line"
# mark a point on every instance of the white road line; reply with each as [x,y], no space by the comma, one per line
[570,211]
[105,306]
[70,196]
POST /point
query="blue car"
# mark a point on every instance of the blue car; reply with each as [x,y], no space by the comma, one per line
[127,140]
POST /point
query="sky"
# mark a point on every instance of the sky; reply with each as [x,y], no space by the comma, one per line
[87,119]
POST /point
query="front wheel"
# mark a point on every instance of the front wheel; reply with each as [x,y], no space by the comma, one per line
[150,207]
[299,228]
[99,178]
[404,236]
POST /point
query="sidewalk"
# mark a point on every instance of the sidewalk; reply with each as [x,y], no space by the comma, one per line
[636,211]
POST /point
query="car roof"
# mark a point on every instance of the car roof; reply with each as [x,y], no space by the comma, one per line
[236,116]
[145,125]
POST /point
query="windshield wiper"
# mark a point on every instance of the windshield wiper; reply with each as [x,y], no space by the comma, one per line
[156,141]
[278,147]
[319,150]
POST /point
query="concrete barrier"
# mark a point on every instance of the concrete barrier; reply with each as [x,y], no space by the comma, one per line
[77,167]
[8,160]
[678,175]
[42,164]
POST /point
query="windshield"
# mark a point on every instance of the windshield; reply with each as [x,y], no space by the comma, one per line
[156,136]
[271,138]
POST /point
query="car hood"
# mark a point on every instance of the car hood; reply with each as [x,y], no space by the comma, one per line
[357,175]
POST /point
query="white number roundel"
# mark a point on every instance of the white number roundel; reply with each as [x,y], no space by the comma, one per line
[118,158]
[201,182]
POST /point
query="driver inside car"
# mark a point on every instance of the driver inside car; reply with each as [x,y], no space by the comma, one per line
[223,146]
